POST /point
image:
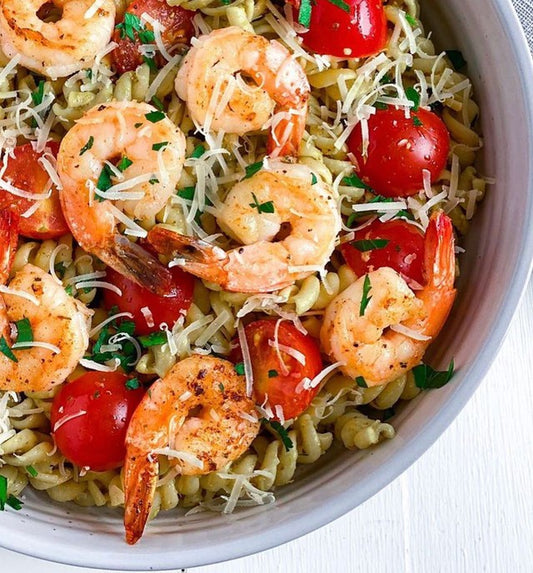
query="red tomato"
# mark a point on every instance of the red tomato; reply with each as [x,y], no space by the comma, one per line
[94,439]
[9,223]
[163,308]
[25,172]
[399,150]
[358,33]
[404,251]
[269,381]
[177,24]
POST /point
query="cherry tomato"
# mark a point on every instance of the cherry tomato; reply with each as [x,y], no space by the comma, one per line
[95,438]
[270,381]
[178,29]
[162,308]
[399,150]
[403,251]
[25,172]
[358,33]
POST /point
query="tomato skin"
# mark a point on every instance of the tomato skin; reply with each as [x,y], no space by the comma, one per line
[359,33]
[163,308]
[404,253]
[25,172]
[399,150]
[281,389]
[95,439]
[178,29]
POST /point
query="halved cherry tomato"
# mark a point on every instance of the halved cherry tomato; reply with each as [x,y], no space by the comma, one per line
[281,384]
[399,150]
[177,29]
[397,244]
[25,172]
[90,417]
[162,308]
[333,31]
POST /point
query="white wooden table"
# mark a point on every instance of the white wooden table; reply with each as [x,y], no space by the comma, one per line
[465,506]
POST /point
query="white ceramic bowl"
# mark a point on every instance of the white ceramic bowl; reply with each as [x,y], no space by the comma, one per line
[496,268]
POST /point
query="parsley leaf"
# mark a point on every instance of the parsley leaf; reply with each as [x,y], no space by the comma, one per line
[153,339]
[146,36]
[158,103]
[24,331]
[124,163]
[370,244]
[273,374]
[132,384]
[4,349]
[221,386]
[186,193]
[38,95]
[151,64]
[314,180]
[253,169]
[239,368]
[155,116]
[131,24]
[283,434]
[417,122]
[361,382]
[414,96]
[365,299]
[198,151]
[457,59]
[267,207]
[412,21]
[341,4]
[354,181]
[87,146]
[304,13]
[160,145]
[427,378]
[32,471]
[104,181]
[14,502]
[5,499]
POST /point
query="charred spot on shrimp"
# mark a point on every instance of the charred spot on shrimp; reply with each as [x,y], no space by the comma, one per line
[50,13]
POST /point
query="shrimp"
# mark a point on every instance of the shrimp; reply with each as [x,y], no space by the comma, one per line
[55,318]
[55,49]
[150,151]
[365,344]
[288,224]
[219,97]
[200,411]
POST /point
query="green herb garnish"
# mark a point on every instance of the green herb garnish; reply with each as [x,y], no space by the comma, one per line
[282,432]
[428,378]
[239,368]
[417,122]
[273,374]
[198,151]
[155,116]
[87,146]
[365,299]
[412,21]
[314,180]
[158,103]
[153,339]
[124,163]
[370,244]
[354,181]
[24,331]
[221,386]
[6,499]
[160,145]
[151,63]
[267,207]
[38,95]
[412,95]
[361,382]
[304,13]
[341,4]
[32,471]
[187,193]
[133,384]
[4,349]
[253,169]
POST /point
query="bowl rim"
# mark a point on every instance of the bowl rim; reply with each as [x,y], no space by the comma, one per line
[400,461]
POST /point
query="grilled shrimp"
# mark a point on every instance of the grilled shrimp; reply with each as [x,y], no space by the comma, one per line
[55,318]
[363,339]
[219,97]
[55,49]
[257,211]
[201,412]
[150,151]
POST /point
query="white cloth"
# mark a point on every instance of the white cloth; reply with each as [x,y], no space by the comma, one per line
[524,9]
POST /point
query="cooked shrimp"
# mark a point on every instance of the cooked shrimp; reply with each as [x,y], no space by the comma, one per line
[55,318]
[201,412]
[150,153]
[55,49]
[280,200]
[366,344]
[213,82]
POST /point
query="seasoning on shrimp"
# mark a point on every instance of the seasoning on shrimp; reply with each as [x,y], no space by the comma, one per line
[256,213]
[55,49]
[212,80]
[187,414]
[148,178]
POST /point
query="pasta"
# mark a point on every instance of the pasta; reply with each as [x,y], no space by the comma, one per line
[345,92]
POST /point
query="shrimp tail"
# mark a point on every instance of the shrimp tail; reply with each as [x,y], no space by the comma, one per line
[196,256]
[139,265]
[140,480]
[439,263]
[9,224]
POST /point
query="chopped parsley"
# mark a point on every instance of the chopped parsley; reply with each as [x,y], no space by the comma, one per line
[104,181]
[405,214]
[38,95]
[155,116]
[89,73]
[186,193]
[157,103]
[239,368]
[267,207]
[273,374]
[386,79]
[153,181]
[354,181]
[341,4]
[283,434]
[428,378]
[151,63]
[381,105]
[304,13]
[160,145]
[221,386]
[87,146]
[457,59]
[146,36]
[361,382]
[24,331]
[4,349]
[131,24]
[417,122]
[153,339]
[6,499]
[124,163]
[253,169]
[32,471]
[314,180]
[414,96]
[133,384]
[198,151]
[138,124]
[365,299]
[412,21]
[126,356]
[370,244]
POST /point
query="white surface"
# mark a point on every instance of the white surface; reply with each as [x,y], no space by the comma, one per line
[465,506]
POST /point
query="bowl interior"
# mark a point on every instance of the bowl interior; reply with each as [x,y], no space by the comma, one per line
[495,269]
